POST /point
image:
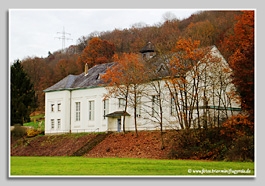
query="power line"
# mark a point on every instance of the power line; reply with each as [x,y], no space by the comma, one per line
[63,37]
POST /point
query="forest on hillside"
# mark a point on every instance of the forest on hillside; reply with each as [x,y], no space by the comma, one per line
[209,27]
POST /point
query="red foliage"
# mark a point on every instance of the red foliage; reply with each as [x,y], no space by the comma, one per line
[237,126]
[241,45]
[96,52]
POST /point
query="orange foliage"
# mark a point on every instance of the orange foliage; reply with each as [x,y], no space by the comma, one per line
[129,70]
[96,52]
[241,44]
[203,31]
[123,80]
[237,126]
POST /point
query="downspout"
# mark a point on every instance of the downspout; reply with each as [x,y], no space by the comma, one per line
[70,111]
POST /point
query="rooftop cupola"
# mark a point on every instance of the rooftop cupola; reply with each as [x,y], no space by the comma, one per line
[148,51]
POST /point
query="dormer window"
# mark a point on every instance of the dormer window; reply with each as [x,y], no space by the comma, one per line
[99,76]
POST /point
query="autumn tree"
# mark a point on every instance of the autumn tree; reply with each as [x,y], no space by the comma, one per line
[200,80]
[117,87]
[203,31]
[126,79]
[35,69]
[218,90]
[64,67]
[96,52]
[155,93]
[238,49]
[241,44]
[184,79]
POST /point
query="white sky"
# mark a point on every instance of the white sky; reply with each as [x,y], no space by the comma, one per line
[32,32]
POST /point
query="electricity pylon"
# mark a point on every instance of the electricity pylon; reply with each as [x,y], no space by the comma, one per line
[63,37]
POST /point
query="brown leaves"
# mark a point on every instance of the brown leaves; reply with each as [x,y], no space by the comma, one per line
[96,52]
[242,58]
[237,126]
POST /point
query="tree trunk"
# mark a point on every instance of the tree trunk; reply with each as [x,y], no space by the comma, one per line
[125,110]
[135,107]
[161,117]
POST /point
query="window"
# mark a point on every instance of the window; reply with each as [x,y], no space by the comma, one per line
[52,107]
[59,106]
[91,107]
[138,108]
[121,102]
[59,123]
[52,123]
[173,109]
[105,108]
[154,105]
[77,111]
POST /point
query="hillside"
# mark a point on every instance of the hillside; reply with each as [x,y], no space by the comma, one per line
[146,145]
[209,27]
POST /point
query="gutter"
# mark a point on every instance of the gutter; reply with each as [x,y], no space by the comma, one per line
[71,89]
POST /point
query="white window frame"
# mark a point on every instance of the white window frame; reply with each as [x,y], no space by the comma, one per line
[52,124]
[121,103]
[59,105]
[59,123]
[52,107]
[105,108]
[91,110]
[173,111]
[77,111]
[154,105]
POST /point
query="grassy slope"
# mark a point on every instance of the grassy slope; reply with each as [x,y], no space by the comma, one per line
[38,119]
[117,166]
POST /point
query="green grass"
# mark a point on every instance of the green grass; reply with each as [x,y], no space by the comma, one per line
[37,116]
[36,124]
[121,166]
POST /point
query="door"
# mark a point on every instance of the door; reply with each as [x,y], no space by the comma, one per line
[119,125]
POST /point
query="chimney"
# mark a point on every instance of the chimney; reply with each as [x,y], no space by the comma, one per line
[86,69]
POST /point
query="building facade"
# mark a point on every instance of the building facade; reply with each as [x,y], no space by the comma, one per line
[76,104]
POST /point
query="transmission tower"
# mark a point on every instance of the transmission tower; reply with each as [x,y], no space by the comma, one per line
[63,37]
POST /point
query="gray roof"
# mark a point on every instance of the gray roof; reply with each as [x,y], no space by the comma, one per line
[149,47]
[117,113]
[92,80]
[82,80]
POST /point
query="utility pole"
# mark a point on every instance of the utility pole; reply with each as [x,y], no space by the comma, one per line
[63,37]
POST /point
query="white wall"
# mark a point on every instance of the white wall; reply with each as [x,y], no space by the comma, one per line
[55,98]
[97,123]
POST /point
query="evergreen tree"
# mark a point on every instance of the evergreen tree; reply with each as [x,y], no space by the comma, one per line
[23,99]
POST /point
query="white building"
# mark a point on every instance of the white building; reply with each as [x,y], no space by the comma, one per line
[76,104]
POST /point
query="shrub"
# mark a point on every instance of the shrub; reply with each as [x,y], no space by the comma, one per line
[18,131]
[198,144]
[242,149]
[236,126]
[33,132]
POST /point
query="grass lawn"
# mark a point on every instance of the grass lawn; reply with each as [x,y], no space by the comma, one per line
[124,166]
[36,123]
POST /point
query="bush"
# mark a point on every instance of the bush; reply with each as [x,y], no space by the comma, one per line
[33,132]
[198,144]
[234,141]
[242,149]
[236,126]
[18,131]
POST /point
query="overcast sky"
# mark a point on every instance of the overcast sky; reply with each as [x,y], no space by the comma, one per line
[33,32]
